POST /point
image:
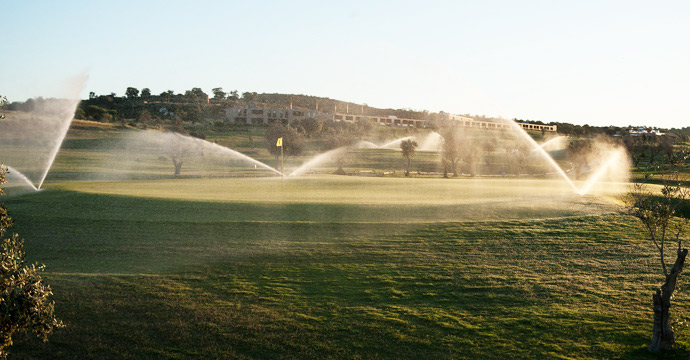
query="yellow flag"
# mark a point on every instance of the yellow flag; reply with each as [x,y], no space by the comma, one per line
[279,142]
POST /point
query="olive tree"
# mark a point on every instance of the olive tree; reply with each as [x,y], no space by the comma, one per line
[25,299]
[177,147]
[657,211]
[408,148]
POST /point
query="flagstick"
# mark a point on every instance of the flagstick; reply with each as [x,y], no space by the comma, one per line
[282,174]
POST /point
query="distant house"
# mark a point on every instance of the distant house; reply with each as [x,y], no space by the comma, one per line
[253,115]
[379,120]
[468,122]
[640,131]
[260,116]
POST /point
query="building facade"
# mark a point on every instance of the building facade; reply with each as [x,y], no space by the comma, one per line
[252,115]
[468,122]
[379,120]
[537,127]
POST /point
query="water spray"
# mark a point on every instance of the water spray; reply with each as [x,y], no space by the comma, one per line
[546,155]
[547,143]
[21,176]
[396,141]
[587,186]
[62,132]
[224,149]
[320,158]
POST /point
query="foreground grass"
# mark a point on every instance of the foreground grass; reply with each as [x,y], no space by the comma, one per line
[164,278]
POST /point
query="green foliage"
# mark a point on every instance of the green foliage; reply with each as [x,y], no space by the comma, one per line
[656,210]
[131,93]
[311,126]
[218,93]
[657,213]
[145,117]
[293,143]
[408,148]
[100,114]
[3,103]
[25,304]
[80,114]
[451,152]
[196,95]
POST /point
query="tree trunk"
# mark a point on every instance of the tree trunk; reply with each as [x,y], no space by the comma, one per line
[662,333]
[178,167]
[407,170]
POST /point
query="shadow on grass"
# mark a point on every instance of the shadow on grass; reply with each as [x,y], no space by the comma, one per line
[680,351]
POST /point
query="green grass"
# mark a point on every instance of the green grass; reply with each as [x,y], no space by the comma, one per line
[91,153]
[333,266]
[150,277]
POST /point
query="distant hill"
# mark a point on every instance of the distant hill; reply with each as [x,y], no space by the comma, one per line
[195,106]
[328,105]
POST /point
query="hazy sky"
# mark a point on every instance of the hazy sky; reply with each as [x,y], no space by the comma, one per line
[594,62]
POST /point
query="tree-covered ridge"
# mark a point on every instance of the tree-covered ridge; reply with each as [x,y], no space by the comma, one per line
[139,107]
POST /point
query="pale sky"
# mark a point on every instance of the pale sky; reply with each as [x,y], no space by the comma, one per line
[584,62]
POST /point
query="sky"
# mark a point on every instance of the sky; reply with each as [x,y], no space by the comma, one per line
[584,62]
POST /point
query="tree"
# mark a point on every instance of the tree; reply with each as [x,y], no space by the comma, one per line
[145,93]
[80,114]
[249,96]
[193,114]
[25,304]
[145,117]
[578,152]
[234,95]
[167,95]
[196,94]
[653,147]
[293,143]
[311,126]
[100,114]
[631,145]
[3,103]
[666,146]
[408,150]
[178,147]
[131,93]
[472,156]
[337,141]
[218,93]
[657,214]
[451,153]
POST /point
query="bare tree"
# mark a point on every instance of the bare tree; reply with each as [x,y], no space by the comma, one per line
[657,213]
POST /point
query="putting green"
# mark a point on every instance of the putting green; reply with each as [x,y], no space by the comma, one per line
[399,199]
